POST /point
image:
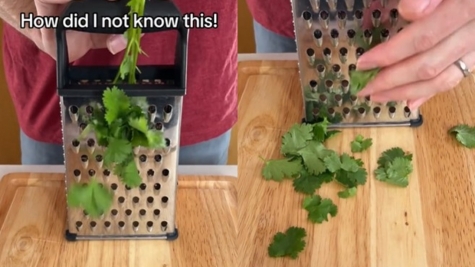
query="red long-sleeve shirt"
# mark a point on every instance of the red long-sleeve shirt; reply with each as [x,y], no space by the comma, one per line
[210,105]
[275,16]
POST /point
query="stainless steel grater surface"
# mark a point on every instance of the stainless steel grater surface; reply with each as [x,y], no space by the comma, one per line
[146,212]
[330,36]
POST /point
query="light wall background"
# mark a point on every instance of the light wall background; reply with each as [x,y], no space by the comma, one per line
[9,134]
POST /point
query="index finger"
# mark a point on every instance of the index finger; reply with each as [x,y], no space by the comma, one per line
[420,35]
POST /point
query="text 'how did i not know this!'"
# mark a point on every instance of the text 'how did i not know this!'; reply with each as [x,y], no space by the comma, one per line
[74,21]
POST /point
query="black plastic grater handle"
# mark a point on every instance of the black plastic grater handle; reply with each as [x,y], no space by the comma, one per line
[69,78]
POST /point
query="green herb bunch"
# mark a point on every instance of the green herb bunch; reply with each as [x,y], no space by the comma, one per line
[120,124]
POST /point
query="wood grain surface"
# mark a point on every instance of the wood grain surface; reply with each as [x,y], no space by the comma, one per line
[32,221]
[429,224]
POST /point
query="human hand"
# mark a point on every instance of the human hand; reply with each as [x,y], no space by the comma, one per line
[420,61]
[79,43]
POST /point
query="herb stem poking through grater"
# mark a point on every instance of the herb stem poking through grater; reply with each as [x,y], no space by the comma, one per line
[120,124]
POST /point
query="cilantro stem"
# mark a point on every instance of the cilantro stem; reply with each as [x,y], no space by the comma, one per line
[128,66]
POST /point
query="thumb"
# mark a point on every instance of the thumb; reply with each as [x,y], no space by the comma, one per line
[416,9]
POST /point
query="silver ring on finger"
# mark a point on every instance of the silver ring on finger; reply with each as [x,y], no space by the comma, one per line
[463,67]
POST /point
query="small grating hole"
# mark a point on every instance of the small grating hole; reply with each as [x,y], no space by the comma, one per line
[392,109]
[114,186]
[75,143]
[158,126]
[168,109]
[156,212]
[73,109]
[167,142]
[165,172]
[351,34]
[106,172]
[152,109]
[142,212]
[157,186]
[341,14]
[361,110]
[165,199]
[84,158]
[93,224]
[89,110]
[150,199]
[77,172]
[91,142]
[82,126]
[143,186]
[164,224]
[143,158]
[150,172]
[92,172]
[78,224]
[359,14]
[135,224]
[407,109]
[99,158]
[135,200]
[114,212]
[158,158]
[121,224]
[376,110]
[324,15]
[149,224]
[121,199]
[318,34]
[128,188]
[107,224]
[128,212]
[377,14]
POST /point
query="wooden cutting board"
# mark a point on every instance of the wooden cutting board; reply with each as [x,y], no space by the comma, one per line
[32,222]
[429,224]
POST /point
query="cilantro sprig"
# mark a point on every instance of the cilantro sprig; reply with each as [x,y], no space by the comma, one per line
[288,244]
[360,144]
[464,134]
[394,167]
[120,125]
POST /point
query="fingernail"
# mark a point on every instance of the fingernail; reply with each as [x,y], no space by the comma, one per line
[116,43]
[364,64]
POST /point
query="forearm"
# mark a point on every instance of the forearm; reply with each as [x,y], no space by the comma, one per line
[10,13]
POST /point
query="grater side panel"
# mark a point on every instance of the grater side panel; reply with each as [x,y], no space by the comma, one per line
[132,215]
[322,35]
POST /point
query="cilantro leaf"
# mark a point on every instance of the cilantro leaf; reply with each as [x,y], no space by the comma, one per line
[140,124]
[116,104]
[319,209]
[359,79]
[320,130]
[347,193]
[313,155]
[93,197]
[288,244]
[279,169]
[333,162]
[296,138]
[394,167]
[117,151]
[128,173]
[464,134]
[392,153]
[351,179]
[360,144]
[348,163]
[307,183]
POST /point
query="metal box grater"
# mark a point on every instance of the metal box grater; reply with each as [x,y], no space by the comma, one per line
[330,36]
[146,212]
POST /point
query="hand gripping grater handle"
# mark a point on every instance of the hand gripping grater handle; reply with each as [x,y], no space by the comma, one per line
[72,80]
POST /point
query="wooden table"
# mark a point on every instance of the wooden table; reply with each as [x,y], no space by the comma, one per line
[32,222]
[429,224]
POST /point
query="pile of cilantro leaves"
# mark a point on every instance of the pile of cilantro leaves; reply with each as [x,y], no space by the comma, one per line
[464,134]
[310,164]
